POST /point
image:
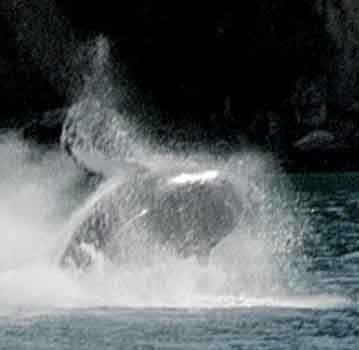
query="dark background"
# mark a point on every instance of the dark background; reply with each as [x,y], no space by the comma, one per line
[263,72]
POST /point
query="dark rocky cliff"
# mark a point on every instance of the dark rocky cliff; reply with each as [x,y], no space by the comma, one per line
[282,75]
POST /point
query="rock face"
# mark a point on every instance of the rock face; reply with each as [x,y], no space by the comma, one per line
[315,140]
[187,213]
[210,72]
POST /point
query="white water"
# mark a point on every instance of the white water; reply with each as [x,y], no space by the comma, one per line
[40,196]
[39,191]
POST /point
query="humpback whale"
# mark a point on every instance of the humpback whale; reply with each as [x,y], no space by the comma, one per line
[187,212]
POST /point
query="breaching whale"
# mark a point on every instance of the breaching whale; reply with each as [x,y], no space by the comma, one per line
[186,212]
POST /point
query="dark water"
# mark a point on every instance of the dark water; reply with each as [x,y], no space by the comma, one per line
[324,316]
[334,243]
[257,328]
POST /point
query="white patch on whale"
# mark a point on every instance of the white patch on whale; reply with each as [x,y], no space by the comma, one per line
[194,177]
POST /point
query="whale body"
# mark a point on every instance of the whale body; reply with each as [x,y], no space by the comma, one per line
[187,212]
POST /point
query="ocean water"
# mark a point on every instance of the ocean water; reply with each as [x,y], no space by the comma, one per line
[287,280]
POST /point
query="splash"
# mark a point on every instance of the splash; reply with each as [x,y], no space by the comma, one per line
[38,191]
[95,132]
[251,262]
[261,262]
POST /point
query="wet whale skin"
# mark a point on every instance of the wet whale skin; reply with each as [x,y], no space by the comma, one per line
[188,213]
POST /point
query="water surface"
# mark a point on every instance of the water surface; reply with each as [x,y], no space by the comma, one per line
[257,293]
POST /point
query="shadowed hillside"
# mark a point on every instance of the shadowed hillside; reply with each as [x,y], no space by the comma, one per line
[277,74]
